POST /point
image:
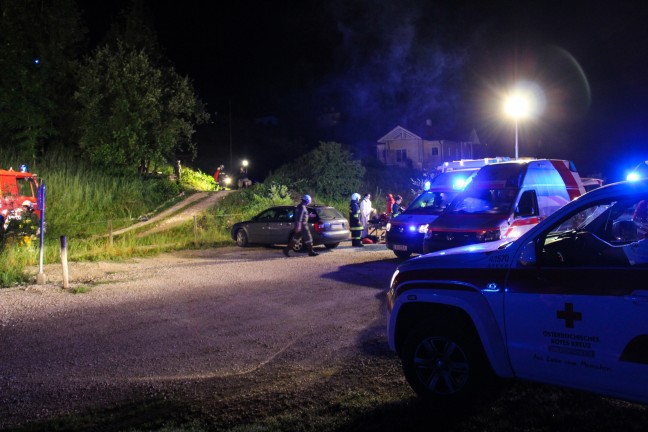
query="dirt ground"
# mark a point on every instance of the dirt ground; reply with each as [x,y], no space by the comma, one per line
[230,330]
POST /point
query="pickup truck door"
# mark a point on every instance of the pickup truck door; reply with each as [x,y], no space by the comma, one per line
[584,327]
[577,312]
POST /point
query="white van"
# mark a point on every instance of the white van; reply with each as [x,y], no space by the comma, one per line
[503,201]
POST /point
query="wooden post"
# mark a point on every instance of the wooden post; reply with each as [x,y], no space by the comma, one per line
[110,232]
[64,263]
[195,231]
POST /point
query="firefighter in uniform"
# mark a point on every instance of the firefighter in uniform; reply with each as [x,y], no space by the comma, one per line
[301,228]
[25,226]
[396,206]
[355,221]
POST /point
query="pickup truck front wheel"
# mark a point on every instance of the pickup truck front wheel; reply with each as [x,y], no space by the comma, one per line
[444,363]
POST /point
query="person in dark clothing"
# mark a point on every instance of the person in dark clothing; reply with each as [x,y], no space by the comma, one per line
[355,221]
[177,169]
[396,207]
[301,228]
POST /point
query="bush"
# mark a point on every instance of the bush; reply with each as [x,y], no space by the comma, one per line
[328,171]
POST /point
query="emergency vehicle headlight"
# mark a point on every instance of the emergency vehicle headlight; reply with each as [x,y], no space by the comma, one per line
[426,185]
[228,180]
[422,229]
[388,226]
[489,235]
[633,176]
[459,184]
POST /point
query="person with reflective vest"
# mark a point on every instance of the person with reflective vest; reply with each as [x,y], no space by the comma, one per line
[355,221]
[396,206]
[301,228]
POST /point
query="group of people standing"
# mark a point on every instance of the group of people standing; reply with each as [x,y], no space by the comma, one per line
[360,211]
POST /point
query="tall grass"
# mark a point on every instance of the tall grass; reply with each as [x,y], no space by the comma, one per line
[81,203]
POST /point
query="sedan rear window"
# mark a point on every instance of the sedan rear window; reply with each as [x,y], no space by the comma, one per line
[328,213]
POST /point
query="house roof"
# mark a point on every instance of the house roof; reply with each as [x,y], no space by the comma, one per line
[400,133]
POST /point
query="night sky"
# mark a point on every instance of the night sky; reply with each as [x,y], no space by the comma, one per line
[383,63]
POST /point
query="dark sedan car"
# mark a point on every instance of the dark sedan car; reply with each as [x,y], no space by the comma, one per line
[275,226]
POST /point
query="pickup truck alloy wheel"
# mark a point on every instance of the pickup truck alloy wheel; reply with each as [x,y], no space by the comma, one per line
[241,238]
[443,364]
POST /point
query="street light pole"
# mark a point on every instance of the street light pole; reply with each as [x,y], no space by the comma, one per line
[516,138]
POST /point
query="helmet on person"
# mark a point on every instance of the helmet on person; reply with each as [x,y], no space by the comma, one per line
[355,197]
[27,203]
[307,198]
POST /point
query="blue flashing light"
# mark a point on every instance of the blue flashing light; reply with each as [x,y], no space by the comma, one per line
[459,184]
[36,61]
[426,185]
[633,176]
[412,228]
[23,168]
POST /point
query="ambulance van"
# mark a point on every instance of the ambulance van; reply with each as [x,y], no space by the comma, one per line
[404,233]
[503,201]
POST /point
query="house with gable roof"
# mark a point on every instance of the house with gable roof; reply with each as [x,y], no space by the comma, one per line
[402,147]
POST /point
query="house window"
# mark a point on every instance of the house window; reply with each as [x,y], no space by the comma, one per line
[435,151]
[401,155]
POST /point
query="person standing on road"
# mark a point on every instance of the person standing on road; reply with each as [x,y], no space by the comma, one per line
[396,207]
[354,221]
[365,213]
[301,228]
[390,205]
[217,176]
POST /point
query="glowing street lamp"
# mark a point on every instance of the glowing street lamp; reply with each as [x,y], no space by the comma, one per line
[517,106]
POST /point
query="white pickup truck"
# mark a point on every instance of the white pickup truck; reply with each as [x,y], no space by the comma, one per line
[564,304]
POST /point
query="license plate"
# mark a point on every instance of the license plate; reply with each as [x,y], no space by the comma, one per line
[400,247]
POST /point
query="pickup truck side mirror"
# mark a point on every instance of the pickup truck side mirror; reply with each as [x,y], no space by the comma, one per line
[528,255]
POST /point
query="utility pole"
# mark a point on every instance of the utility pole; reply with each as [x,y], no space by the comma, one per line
[230,136]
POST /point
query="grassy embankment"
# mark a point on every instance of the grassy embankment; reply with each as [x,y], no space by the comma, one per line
[83,204]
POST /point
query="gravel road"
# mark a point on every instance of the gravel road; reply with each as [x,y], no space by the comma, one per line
[203,324]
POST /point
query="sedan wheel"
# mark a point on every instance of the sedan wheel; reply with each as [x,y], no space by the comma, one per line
[241,238]
[298,246]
